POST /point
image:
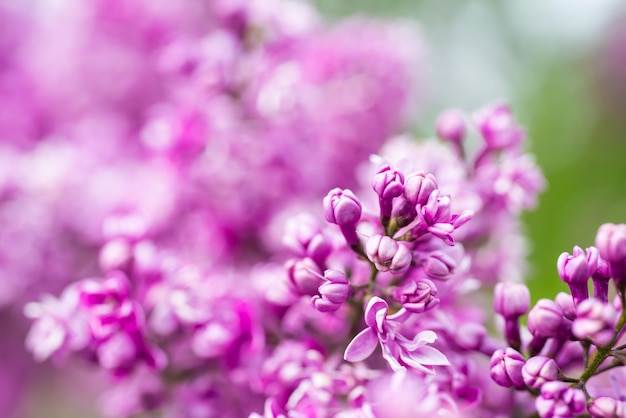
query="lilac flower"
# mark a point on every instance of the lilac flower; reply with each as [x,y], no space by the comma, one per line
[606,407]
[498,127]
[506,368]
[546,319]
[451,126]
[333,292]
[418,186]
[388,184]
[343,208]
[539,370]
[511,300]
[576,269]
[399,351]
[439,265]
[436,217]
[596,321]
[557,399]
[611,244]
[304,275]
[388,254]
[417,295]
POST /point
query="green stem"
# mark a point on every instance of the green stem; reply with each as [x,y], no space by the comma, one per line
[603,352]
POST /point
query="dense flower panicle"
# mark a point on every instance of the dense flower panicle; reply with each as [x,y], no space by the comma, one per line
[182,315]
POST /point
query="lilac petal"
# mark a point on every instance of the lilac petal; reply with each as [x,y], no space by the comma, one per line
[374,306]
[430,356]
[362,346]
[391,354]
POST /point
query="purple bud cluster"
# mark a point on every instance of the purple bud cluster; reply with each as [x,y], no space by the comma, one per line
[575,342]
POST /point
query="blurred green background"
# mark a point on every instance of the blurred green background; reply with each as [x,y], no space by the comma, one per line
[549,59]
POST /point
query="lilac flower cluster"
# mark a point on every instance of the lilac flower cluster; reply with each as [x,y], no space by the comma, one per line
[574,343]
[380,305]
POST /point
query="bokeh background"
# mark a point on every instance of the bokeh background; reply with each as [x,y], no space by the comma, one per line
[561,64]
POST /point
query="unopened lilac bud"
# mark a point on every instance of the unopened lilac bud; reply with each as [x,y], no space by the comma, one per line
[417,295]
[498,126]
[511,300]
[342,207]
[558,400]
[439,265]
[304,276]
[332,293]
[606,407]
[545,319]
[539,370]
[388,254]
[505,368]
[451,126]
[576,269]
[611,243]
[305,238]
[595,320]
[565,301]
[388,184]
[418,187]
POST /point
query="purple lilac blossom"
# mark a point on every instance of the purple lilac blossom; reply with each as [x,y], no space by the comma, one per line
[183,318]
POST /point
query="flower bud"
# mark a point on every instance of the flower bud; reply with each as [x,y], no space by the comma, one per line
[611,242]
[417,295]
[576,269]
[342,207]
[565,301]
[595,320]
[539,370]
[606,407]
[545,319]
[418,187]
[304,276]
[511,300]
[557,399]
[506,368]
[451,126]
[498,126]
[332,293]
[388,184]
[388,254]
[439,265]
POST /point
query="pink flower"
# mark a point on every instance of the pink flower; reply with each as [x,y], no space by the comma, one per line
[399,351]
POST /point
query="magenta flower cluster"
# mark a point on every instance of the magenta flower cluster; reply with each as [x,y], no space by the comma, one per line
[218,219]
[375,307]
[573,344]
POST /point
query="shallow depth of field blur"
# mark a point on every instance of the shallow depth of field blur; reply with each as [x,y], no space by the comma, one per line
[562,66]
